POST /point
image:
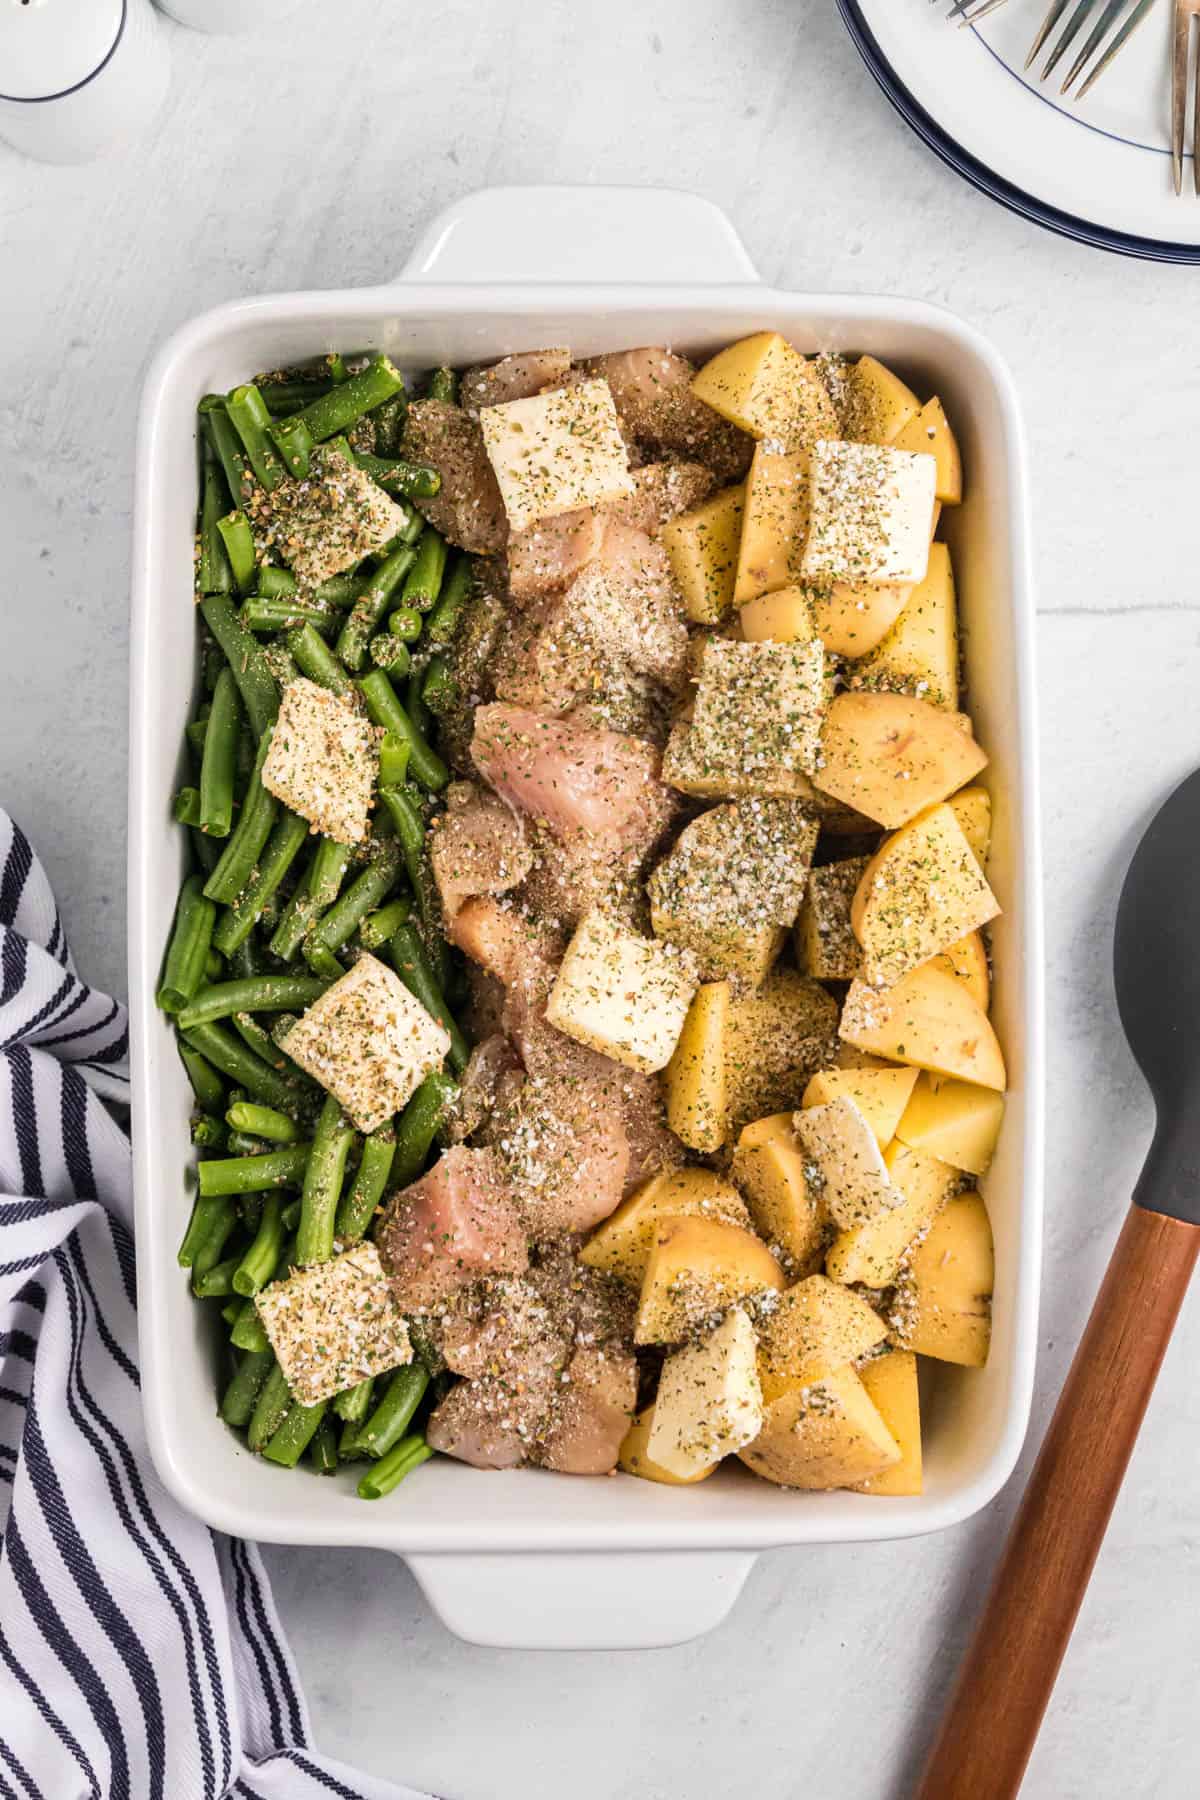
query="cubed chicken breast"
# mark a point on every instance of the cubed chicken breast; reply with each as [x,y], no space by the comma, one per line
[652,389]
[512,378]
[478,845]
[562,773]
[457,1223]
[467,508]
[594,1400]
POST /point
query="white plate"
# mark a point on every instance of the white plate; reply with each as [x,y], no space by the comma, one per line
[1098,169]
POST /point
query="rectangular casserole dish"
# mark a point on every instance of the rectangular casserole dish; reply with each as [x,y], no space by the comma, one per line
[530,1558]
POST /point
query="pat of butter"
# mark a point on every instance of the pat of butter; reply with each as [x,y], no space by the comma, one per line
[871,516]
[555,452]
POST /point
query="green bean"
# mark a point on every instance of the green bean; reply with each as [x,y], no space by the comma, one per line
[275,583]
[291,1217]
[188,950]
[341,590]
[336,364]
[424,581]
[238,1400]
[354,1403]
[410,831]
[206,1084]
[294,442]
[311,899]
[185,808]
[238,540]
[241,1144]
[214,967]
[372,603]
[243,1067]
[209,1217]
[206,851]
[215,1283]
[261,614]
[271,1409]
[213,573]
[443,385]
[260,696]
[394,754]
[282,848]
[250,1211]
[389,423]
[358,1204]
[283,397]
[398,476]
[443,621]
[245,844]
[209,1133]
[196,732]
[348,1450]
[385,709]
[346,402]
[251,420]
[390,1419]
[439,690]
[249,1174]
[391,1469]
[410,959]
[326,1168]
[249,1333]
[378,927]
[257,1038]
[417,1126]
[390,653]
[262,993]
[259,1261]
[263,1122]
[324,963]
[406,623]
[294,1433]
[231,1311]
[323,1451]
[363,895]
[222,1223]
[220,758]
[316,659]
[225,441]
[414,703]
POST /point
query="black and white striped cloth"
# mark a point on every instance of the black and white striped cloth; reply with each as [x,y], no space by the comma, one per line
[141,1657]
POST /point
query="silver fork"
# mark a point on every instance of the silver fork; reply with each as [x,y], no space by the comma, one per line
[1110,13]
[1185,12]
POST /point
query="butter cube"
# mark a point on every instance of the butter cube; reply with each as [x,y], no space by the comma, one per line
[709,1400]
[759,707]
[368,1042]
[555,452]
[323,760]
[334,1325]
[871,514]
[854,1179]
[327,522]
[624,995]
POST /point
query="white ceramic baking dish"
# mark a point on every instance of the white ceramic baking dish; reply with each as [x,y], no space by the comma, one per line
[530,1558]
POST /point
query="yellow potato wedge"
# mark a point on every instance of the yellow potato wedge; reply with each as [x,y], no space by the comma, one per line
[973,810]
[702,548]
[881,1095]
[826,947]
[929,1021]
[699,1267]
[890,756]
[891,1382]
[774,523]
[954,1121]
[635,1460]
[694,1078]
[769,1171]
[929,434]
[852,617]
[817,1327]
[919,654]
[765,385]
[967,959]
[878,405]
[621,1245]
[920,893]
[873,1252]
[945,1294]
[784,616]
[827,1436]
[779,1035]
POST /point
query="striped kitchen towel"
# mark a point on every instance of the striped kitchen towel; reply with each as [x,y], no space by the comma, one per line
[141,1657]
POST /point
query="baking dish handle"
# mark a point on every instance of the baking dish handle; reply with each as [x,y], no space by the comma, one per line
[611,1601]
[581,234]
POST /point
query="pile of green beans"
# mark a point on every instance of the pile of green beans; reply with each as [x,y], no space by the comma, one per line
[270,913]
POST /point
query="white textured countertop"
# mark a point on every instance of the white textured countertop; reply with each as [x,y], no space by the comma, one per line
[309,158]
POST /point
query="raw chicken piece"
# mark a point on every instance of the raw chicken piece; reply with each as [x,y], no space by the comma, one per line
[512,378]
[560,1140]
[455,1224]
[471,654]
[467,508]
[664,490]
[552,553]
[501,1327]
[477,846]
[489,1423]
[491,1060]
[654,640]
[570,777]
[594,1401]
[654,398]
[652,1146]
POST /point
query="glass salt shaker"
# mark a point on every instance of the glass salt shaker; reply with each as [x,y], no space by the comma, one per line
[77,77]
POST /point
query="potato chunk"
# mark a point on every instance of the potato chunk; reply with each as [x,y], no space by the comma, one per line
[872,1253]
[777,1038]
[621,1245]
[881,1095]
[919,654]
[826,1436]
[774,523]
[876,404]
[954,1121]
[709,1402]
[826,947]
[702,547]
[624,995]
[891,1382]
[920,893]
[929,1021]
[966,959]
[870,514]
[732,883]
[852,617]
[945,1298]
[768,1167]
[973,810]
[890,756]
[818,1326]
[635,1459]
[698,1268]
[759,707]
[929,431]
[784,616]
[695,1076]
[764,385]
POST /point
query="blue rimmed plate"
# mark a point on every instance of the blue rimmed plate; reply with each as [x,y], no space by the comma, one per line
[1097,170]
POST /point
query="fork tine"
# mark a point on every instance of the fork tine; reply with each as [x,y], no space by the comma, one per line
[1094,38]
[1057,9]
[989,6]
[1069,33]
[1179,65]
[1118,43]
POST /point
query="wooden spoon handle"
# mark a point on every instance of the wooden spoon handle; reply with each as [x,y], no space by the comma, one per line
[993,1715]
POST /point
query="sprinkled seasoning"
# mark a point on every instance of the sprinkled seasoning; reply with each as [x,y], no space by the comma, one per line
[759,706]
[826,945]
[326,522]
[323,760]
[871,514]
[334,1324]
[554,452]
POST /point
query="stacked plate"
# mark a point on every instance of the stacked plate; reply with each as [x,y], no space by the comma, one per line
[1098,170]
